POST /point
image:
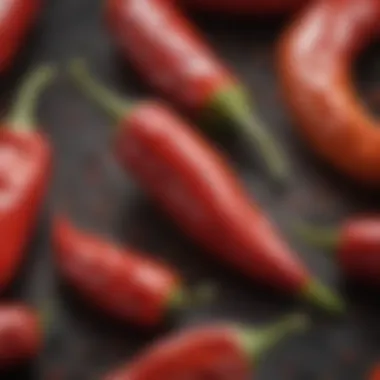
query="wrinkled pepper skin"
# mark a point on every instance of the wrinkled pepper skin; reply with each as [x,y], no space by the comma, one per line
[17,17]
[315,57]
[25,166]
[247,7]
[358,249]
[126,285]
[20,335]
[205,353]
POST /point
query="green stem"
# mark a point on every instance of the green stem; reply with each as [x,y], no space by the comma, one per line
[232,103]
[320,295]
[258,342]
[325,237]
[110,102]
[22,115]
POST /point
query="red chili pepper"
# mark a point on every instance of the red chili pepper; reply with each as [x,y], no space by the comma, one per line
[170,54]
[315,57]
[218,352]
[247,6]
[192,182]
[357,245]
[125,284]
[16,19]
[25,159]
[20,335]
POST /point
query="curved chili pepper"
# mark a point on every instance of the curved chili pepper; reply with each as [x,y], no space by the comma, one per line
[357,246]
[16,19]
[25,160]
[193,183]
[246,6]
[314,62]
[171,55]
[20,335]
[125,284]
[210,352]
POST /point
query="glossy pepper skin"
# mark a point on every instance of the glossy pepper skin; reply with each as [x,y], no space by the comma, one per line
[171,55]
[125,284]
[193,183]
[25,163]
[356,243]
[20,335]
[218,352]
[16,19]
[315,56]
[255,7]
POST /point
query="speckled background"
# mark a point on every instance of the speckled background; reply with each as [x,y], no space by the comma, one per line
[94,191]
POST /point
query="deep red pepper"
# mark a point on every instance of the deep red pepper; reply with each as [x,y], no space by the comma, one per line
[315,56]
[20,335]
[221,352]
[357,246]
[256,7]
[16,19]
[193,183]
[375,372]
[125,284]
[169,52]
[25,160]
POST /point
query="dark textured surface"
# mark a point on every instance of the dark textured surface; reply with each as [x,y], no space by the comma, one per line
[91,187]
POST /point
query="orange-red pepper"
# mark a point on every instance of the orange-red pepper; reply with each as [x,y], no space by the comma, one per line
[25,161]
[16,19]
[193,183]
[222,351]
[315,57]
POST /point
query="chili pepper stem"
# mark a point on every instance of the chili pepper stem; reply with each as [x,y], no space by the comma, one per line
[115,106]
[258,342]
[320,295]
[325,237]
[232,104]
[22,116]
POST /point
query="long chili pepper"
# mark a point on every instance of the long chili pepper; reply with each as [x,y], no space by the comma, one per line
[218,352]
[171,55]
[16,19]
[314,65]
[193,183]
[357,246]
[255,7]
[375,372]
[20,335]
[25,160]
[126,284]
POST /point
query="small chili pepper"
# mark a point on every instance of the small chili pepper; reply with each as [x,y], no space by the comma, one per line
[16,19]
[219,352]
[20,335]
[125,284]
[171,55]
[25,161]
[357,246]
[193,183]
[315,55]
[256,7]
